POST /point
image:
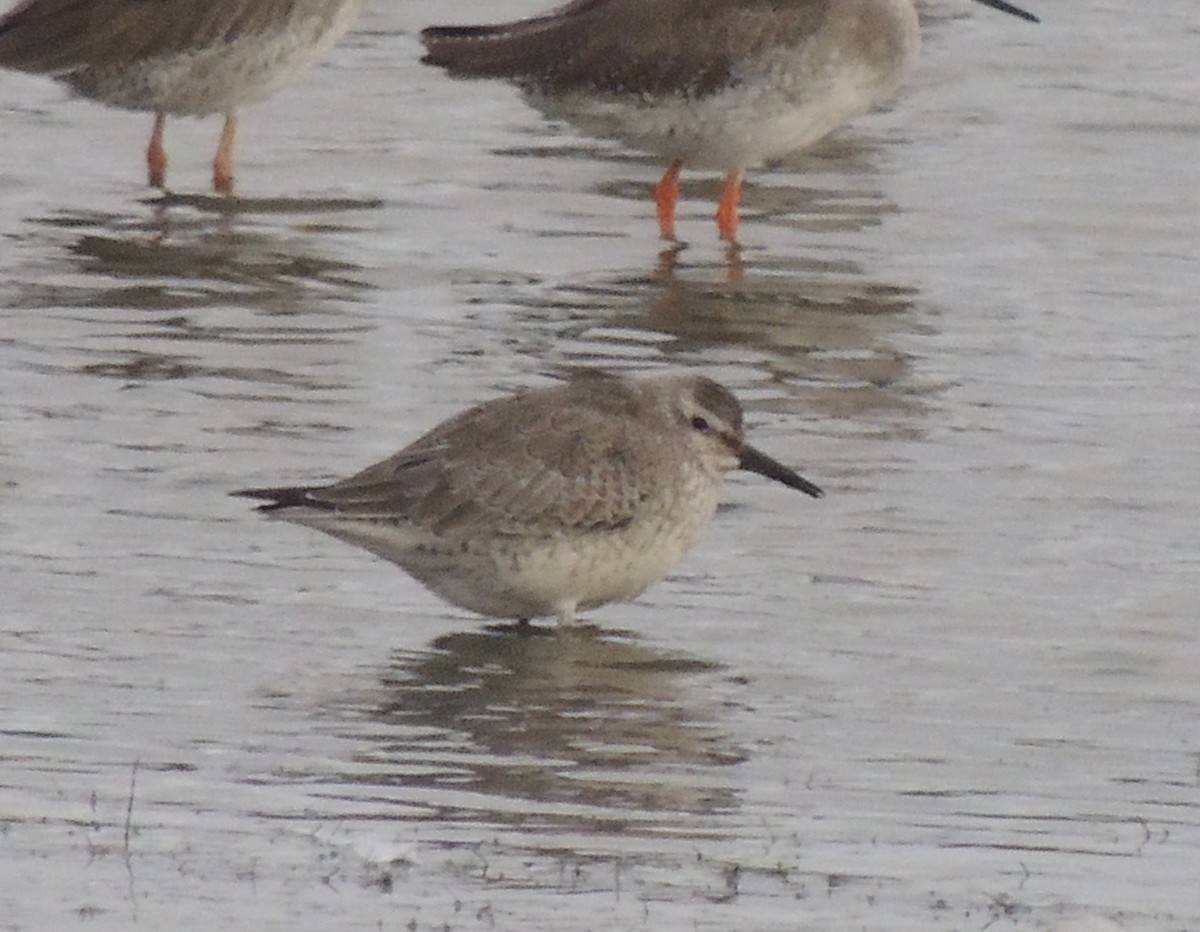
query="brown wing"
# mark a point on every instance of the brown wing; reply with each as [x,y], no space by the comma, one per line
[59,36]
[626,46]
[510,467]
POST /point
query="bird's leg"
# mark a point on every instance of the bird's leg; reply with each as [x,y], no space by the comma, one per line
[665,196]
[156,153]
[567,620]
[727,208]
[223,163]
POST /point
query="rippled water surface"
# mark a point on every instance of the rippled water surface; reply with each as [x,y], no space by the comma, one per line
[960,692]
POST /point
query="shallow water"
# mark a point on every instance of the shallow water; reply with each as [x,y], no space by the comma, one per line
[959,692]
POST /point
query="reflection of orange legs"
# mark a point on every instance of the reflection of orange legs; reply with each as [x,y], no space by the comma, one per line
[156,153]
[223,163]
[665,195]
[727,209]
[735,269]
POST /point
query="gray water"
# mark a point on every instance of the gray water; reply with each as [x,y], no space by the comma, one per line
[960,692]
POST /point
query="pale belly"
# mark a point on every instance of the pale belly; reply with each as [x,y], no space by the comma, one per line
[531,578]
[221,78]
[775,106]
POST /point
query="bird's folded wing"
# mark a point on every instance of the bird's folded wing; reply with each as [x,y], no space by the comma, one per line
[531,479]
[624,46]
[60,36]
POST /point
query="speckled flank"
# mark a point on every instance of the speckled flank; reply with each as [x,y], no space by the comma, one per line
[174,57]
[222,77]
[705,83]
[547,502]
[715,85]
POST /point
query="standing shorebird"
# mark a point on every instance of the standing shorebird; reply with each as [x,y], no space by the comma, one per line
[177,57]
[549,501]
[724,84]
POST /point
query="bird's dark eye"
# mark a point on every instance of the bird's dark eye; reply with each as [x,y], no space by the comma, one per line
[700,424]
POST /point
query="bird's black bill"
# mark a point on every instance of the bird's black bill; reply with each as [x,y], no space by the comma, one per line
[1009,8]
[757,461]
[277,498]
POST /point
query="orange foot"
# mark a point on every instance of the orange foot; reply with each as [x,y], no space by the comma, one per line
[223,163]
[727,209]
[156,153]
[665,196]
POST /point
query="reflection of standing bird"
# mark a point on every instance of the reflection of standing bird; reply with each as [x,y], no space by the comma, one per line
[721,84]
[547,501]
[178,57]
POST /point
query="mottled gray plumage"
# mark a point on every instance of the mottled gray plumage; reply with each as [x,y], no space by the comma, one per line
[174,57]
[549,500]
[691,47]
[725,84]
[61,36]
[628,46]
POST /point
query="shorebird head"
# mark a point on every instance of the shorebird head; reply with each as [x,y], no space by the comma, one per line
[712,417]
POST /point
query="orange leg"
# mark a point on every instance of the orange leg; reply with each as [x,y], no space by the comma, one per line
[727,209]
[156,153]
[665,195]
[223,163]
